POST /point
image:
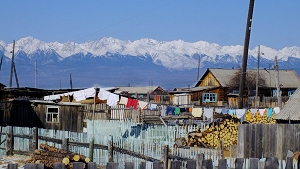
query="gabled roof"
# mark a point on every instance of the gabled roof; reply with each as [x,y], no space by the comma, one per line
[291,110]
[287,78]
[136,89]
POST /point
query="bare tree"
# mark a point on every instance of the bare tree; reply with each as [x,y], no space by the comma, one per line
[250,83]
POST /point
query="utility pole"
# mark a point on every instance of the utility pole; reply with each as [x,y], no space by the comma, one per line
[12,65]
[198,69]
[257,77]
[71,81]
[245,54]
[35,72]
[277,83]
[1,62]
[13,68]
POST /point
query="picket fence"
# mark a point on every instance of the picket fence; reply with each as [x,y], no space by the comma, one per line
[148,140]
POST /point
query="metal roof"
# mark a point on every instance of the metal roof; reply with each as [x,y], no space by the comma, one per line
[287,78]
[134,89]
[291,110]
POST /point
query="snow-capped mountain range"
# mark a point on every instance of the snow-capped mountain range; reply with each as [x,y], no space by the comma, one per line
[124,62]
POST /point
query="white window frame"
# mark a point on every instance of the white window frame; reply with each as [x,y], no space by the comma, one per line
[52,114]
[208,97]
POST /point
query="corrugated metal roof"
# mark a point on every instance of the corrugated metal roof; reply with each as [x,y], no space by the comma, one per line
[133,89]
[287,78]
[291,110]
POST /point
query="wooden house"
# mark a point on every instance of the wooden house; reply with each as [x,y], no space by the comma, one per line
[217,87]
[145,93]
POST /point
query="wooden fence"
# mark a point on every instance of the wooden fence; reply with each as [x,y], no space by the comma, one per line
[268,140]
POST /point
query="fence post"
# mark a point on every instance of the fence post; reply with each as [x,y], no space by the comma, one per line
[129,165]
[30,166]
[164,156]
[262,164]
[175,164]
[65,143]
[272,163]
[110,149]
[207,164]
[142,165]
[9,141]
[58,165]
[222,163]
[199,158]
[254,163]
[77,165]
[191,164]
[92,165]
[158,165]
[12,166]
[111,165]
[239,163]
[289,163]
[34,140]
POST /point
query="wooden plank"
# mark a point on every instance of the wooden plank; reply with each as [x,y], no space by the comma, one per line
[252,141]
[12,166]
[273,143]
[247,136]
[272,163]
[279,138]
[207,164]
[239,163]
[175,164]
[222,163]
[266,140]
[288,143]
[297,136]
[191,164]
[199,158]
[254,163]
[92,165]
[259,135]
[158,165]
[241,141]
[129,165]
[289,163]
[142,165]
[111,165]
[77,165]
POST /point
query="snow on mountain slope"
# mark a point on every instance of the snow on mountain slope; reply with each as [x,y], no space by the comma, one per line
[175,54]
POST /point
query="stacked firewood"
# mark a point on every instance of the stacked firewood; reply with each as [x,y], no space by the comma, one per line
[257,118]
[223,133]
[48,155]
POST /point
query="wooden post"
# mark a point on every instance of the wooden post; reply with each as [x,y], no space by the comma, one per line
[191,164]
[254,163]
[207,164]
[272,163]
[58,166]
[110,149]
[175,164]
[34,140]
[222,163]
[91,149]
[12,166]
[92,165]
[158,165]
[30,166]
[164,156]
[129,165]
[40,166]
[289,163]
[262,164]
[9,141]
[239,163]
[142,165]
[199,158]
[111,165]
[77,165]
[65,143]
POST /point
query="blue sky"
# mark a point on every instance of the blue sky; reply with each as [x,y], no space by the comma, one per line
[275,24]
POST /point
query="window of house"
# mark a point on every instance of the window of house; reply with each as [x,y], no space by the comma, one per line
[52,115]
[275,93]
[209,97]
[290,92]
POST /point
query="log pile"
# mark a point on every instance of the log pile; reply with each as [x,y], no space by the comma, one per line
[225,131]
[257,118]
[48,155]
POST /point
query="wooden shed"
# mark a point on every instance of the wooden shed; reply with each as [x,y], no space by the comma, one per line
[66,116]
